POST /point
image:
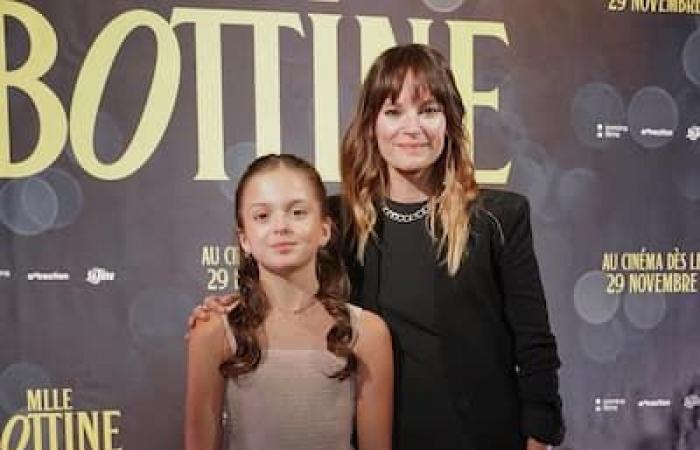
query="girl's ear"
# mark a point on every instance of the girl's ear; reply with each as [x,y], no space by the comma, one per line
[243,241]
[325,231]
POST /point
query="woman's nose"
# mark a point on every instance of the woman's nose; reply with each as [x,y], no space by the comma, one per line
[411,123]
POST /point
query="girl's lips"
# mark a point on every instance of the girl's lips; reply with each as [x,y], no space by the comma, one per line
[281,246]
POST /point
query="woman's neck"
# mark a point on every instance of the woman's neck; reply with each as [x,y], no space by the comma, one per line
[409,187]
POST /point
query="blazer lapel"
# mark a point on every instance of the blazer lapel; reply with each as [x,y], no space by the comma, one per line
[370,288]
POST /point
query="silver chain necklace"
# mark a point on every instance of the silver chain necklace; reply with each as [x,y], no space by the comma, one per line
[405,218]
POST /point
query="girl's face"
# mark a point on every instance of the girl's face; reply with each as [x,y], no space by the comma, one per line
[282,223]
[411,131]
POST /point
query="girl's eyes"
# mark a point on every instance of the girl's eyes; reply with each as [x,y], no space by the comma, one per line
[260,216]
[391,112]
[264,216]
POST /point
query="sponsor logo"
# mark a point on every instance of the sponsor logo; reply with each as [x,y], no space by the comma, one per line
[5,274]
[96,275]
[691,401]
[693,133]
[654,403]
[610,131]
[48,276]
[656,132]
[609,404]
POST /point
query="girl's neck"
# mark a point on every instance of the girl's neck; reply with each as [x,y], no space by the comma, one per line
[290,292]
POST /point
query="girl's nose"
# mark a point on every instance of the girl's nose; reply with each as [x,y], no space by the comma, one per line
[280,223]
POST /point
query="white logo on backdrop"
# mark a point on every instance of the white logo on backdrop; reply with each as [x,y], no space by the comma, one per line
[96,275]
[48,276]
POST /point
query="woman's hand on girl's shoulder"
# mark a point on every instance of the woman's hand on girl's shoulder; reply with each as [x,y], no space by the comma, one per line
[212,304]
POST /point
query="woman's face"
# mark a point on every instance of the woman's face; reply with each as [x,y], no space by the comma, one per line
[282,223]
[410,132]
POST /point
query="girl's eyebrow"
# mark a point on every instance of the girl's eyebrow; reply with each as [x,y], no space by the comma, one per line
[291,202]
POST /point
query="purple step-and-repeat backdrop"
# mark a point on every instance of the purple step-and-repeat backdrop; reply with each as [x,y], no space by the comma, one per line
[124,126]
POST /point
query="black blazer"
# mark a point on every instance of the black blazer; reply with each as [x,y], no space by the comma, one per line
[499,353]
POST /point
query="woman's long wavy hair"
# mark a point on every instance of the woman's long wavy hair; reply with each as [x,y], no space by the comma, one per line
[365,179]
[248,316]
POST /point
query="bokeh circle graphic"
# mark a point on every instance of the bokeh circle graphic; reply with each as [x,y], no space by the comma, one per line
[691,57]
[644,311]
[595,106]
[602,343]
[28,206]
[443,6]
[591,301]
[16,379]
[653,117]
[69,194]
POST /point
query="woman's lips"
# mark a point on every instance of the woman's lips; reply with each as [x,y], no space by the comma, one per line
[411,146]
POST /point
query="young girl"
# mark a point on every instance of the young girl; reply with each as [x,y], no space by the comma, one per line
[296,363]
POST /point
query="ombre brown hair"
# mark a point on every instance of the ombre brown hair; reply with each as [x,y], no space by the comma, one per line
[248,316]
[365,180]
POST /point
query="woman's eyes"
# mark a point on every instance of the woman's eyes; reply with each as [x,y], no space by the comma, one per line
[433,109]
[299,212]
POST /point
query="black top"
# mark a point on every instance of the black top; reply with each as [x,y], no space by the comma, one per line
[497,349]
[424,417]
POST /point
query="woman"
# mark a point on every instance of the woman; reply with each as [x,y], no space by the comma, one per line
[301,363]
[449,266]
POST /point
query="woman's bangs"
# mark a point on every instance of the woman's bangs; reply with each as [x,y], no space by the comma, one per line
[427,81]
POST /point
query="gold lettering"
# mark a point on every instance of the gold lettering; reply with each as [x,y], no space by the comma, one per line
[36,430]
[376,35]
[266,25]
[462,34]
[52,419]
[108,431]
[88,425]
[34,402]
[638,5]
[421,30]
[67,398]
[68,430]
[90,87]
[24,433]
[52,123]
[325,31]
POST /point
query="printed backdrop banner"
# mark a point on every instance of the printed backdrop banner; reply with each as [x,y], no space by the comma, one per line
[125,125]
